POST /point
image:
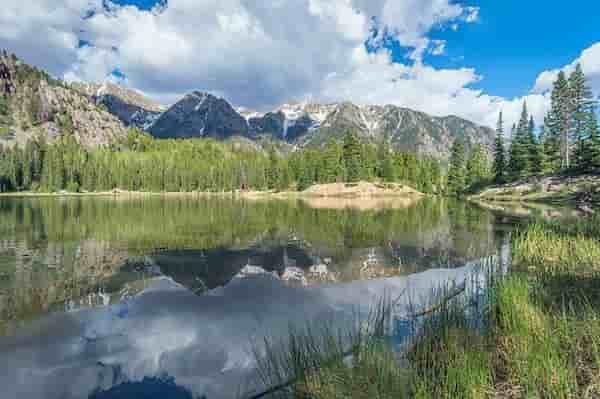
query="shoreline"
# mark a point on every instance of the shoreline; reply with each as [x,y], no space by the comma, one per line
[343,191]
[581,192]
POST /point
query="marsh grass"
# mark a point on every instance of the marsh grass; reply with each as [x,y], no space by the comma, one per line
[534,333]
[553,248]
[439,361]
[313,358]
[548,313]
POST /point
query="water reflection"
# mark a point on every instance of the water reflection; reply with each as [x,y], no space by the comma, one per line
[203,342]
[99,292]
[58,254]
[64,254]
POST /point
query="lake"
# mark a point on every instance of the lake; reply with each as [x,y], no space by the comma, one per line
[165,296]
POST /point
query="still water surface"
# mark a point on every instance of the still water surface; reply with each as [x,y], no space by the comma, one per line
[100,294]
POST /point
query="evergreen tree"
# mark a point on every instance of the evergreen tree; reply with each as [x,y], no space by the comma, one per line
[591,150]
[457,172]
[477,168]
[551,148]
[581,102]
[352,157]
[536,150]
[28,156]
[518,165]
[582,106]
[558,119]
[332,169]
[385,169]
[273,173]
[499,153]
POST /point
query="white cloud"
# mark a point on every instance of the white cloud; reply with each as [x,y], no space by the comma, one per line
[259,54]
[590,64]
[376,79]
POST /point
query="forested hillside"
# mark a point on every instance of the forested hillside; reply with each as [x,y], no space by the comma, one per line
[55,136]
[139,162]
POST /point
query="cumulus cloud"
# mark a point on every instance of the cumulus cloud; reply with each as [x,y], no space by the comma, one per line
[376,79]
[260,54]
[590,64]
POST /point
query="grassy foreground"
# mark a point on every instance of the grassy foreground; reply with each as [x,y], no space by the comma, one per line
[537,335]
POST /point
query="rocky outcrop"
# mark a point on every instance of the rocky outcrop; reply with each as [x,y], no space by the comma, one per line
[131,107]
[33,104]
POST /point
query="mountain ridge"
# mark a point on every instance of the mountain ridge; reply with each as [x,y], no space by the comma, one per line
[306,124]
[32,103]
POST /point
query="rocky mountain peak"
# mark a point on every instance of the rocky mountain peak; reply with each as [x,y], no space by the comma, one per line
[199,114]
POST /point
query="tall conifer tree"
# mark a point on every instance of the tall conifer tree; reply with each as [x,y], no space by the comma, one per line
[499,153]
[457,172]
[352,157]
[518,164]
[558,121]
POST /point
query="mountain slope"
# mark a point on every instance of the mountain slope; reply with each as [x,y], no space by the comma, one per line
[202,115]
[130,106]
[405,129]
[199,115]
[33,104]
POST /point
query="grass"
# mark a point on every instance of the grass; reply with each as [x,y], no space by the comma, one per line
[559,248]
[535,334]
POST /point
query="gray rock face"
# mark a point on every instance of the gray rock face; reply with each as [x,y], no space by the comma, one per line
[32,104]
[406,129]
[131,107]
[271,124]
[200,115]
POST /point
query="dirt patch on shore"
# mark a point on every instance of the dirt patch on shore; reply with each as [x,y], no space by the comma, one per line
[360,190]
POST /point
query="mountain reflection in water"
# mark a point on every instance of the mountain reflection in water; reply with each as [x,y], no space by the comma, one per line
[100,293]
[203,342]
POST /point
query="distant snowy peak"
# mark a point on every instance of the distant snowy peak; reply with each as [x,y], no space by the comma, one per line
[129,96]
[130,106]
[248,113]
[201,114]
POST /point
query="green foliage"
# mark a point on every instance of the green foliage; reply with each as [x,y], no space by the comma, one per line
[478,170]
[500,163]
[582,103]
[332,169]
[4,107]
[557,121]
[519,163]
[139,162]
[352,157]
[457,176]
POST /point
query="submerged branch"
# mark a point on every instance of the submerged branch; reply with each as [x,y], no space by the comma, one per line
[442,303]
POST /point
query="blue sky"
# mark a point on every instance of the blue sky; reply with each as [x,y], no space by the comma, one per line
[515,40]
[141,4]
[471,58]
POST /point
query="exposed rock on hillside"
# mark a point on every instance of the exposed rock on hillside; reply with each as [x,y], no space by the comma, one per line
[33,104]
[130,106]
